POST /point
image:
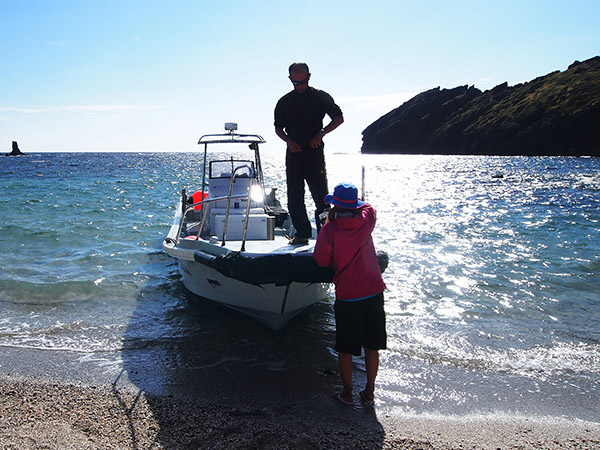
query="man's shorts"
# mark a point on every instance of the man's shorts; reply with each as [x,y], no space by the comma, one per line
[360,324]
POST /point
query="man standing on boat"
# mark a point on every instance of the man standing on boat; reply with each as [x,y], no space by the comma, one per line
[299,122]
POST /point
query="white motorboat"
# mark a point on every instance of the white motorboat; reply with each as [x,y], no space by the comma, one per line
[230,238]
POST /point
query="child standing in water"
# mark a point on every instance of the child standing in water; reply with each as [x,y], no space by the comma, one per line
[345,244]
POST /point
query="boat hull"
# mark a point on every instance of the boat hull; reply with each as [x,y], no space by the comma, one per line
[271,304]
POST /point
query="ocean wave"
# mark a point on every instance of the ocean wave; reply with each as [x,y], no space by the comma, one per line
[25,292]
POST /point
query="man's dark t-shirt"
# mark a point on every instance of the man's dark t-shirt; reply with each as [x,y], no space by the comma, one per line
[301,115]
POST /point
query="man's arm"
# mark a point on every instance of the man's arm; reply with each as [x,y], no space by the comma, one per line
[292,145]
[317,141]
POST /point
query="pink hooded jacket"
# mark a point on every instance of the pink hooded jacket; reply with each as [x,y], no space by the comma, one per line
[346,244]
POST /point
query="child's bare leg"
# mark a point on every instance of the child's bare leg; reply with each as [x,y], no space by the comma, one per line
[372,366]
[345,365]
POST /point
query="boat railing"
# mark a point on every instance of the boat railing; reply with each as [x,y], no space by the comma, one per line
[204,204]
[231,181]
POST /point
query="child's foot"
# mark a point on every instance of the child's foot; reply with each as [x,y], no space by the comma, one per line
[368,399]
[345,397]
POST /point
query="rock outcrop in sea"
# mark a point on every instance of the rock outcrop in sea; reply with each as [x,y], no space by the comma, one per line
[15,150]
[557,114]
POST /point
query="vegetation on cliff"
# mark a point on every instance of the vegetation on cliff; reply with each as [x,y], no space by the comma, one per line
[556,114]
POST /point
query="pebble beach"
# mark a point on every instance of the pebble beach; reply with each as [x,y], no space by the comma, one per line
[36,414]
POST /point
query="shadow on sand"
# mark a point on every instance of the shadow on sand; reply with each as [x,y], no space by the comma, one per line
[216,379]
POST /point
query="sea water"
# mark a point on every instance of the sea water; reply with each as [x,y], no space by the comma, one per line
[492,300]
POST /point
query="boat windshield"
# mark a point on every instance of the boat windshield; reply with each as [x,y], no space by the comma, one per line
[224,168]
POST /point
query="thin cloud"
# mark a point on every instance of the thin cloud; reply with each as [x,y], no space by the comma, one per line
[374,103]
[110,109]
[7,65]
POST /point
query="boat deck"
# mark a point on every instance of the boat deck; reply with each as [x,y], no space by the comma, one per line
[279,245]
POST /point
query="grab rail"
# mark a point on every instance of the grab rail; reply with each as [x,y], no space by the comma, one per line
[215,199]
[231,181]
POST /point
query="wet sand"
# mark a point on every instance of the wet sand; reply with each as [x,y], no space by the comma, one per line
[36,414]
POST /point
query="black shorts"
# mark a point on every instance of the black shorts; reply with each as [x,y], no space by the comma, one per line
[360,324]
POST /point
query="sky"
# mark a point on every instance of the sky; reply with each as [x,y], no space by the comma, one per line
[133,75]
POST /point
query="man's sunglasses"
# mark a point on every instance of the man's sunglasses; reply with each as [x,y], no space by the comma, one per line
[295,83]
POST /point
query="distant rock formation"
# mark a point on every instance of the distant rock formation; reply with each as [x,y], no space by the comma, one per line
[557,114]
[15,150]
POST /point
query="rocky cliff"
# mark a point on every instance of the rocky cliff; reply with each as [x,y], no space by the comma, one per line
[556,114]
